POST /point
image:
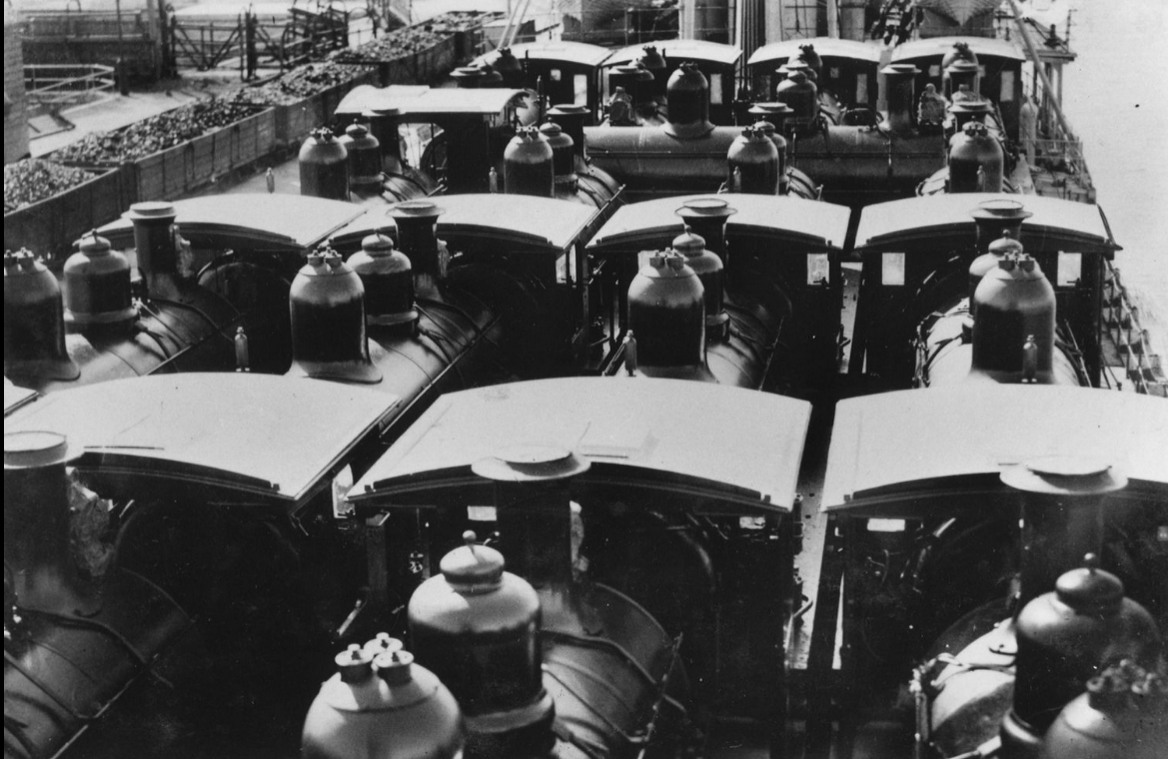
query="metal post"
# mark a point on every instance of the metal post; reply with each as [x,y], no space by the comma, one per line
[123,86]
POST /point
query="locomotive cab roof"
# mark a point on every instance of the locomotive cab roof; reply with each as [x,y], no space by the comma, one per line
[703,51]
[686,438]
[246,437]
[918,453]
[942,221]
[419,104]
[259,221]
[553,51]
[525,223]
[937,47]
[777,53]
[806,224]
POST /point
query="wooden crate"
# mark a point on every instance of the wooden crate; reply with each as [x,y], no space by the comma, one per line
[294,121]
[427,66]
[49,227]
[171,173]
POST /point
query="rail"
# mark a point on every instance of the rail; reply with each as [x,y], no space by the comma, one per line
[60,84]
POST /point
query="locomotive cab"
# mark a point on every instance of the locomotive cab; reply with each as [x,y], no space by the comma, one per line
[716,61]
[782,280]
[999,72]
[588,486]
[234,523]
[847,79]
[956,506]
[564,72]
[518,256]
[916,255]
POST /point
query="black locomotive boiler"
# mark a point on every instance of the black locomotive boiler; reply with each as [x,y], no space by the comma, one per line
[970,529]
[584,503]
[212,533]
[107,318]
[96,657]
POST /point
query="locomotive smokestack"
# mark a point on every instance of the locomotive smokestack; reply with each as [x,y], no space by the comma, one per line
[639,82]
[571,119]
[900,82]
[707,217]
[534,509]
[962,72]
[960,52]
[992,217]
[157,250]
[771,118]
[1066,636]
[967,111]
[36,520]
[34,322]
[1062,512]
[417,235]
[383,124]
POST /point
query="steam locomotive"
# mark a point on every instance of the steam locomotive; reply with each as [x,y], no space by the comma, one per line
[695,567]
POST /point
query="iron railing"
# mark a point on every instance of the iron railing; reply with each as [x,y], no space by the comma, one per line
[57,85]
